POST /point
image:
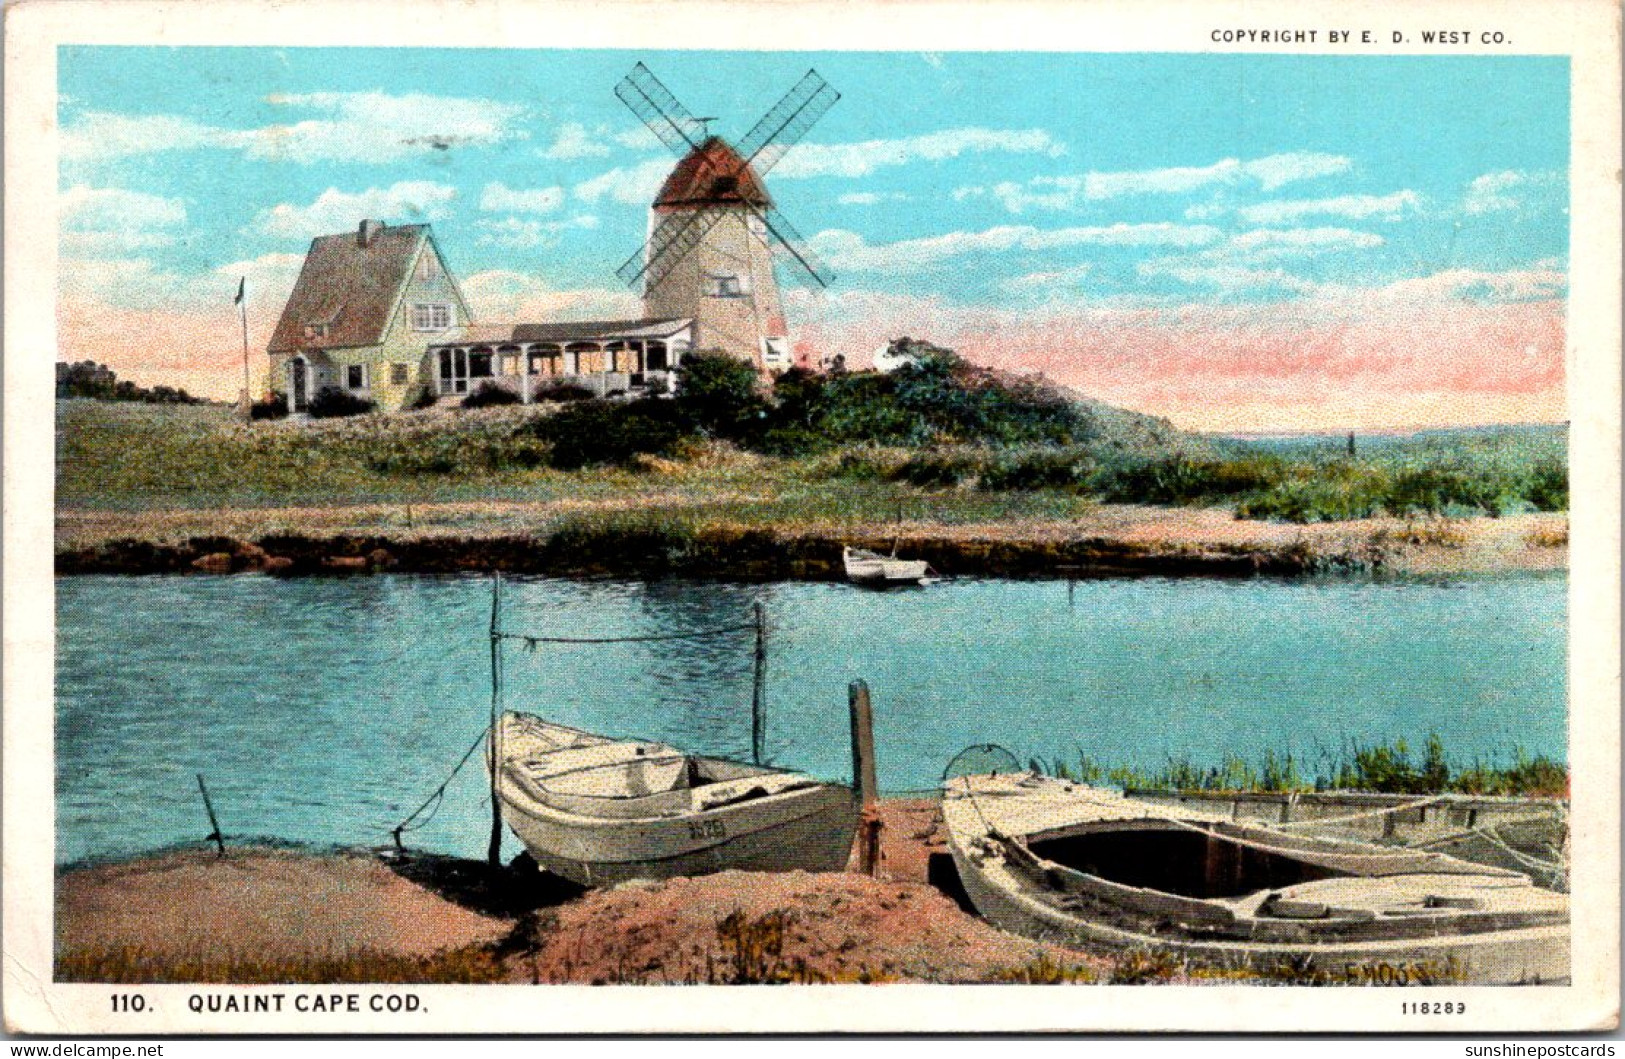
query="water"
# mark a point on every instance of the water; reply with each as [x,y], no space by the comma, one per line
[325,710]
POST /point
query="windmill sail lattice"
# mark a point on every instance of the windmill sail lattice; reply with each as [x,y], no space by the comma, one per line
[784,125]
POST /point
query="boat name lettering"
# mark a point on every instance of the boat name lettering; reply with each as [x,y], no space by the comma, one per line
[1409,972]
[707,829]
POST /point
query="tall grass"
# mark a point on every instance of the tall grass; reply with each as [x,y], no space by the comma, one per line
[1385,768]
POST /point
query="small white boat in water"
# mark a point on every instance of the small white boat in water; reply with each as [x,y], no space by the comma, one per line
[872,568]
[600,811]
[1079,865]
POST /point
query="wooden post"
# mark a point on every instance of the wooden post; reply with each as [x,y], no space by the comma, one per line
[865,789]
[216,837]
[758,697]
[493,853]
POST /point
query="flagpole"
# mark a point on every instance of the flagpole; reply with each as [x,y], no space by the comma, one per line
[242,302]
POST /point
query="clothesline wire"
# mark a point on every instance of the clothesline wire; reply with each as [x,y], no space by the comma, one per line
[698,634]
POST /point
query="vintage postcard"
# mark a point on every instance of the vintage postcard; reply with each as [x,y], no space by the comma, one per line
[530,517]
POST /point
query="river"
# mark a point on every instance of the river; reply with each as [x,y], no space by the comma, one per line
[323,710]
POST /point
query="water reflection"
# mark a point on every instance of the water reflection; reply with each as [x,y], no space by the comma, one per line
[326,709]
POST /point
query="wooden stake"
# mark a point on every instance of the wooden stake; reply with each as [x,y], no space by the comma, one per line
[863,743]
[216,837]
[758,697]
[493,853]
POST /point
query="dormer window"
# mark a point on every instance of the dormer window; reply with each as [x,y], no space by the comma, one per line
[431,316]
[316,331]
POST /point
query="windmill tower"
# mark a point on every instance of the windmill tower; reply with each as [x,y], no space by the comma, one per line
[713,227]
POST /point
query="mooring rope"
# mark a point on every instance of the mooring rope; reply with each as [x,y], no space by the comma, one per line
[438,797]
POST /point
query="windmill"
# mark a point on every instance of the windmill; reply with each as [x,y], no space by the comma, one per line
[713,226]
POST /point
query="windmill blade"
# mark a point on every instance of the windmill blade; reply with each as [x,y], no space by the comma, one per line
[791,240]
[657,108]
[783,127]
[668,246]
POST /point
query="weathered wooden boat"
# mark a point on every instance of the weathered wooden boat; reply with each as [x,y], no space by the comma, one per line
[1078,865]
[872,568]
[600,811]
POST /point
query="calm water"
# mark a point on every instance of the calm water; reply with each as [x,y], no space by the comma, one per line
[325,710]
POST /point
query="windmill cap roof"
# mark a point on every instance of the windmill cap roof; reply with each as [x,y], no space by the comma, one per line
[713,174]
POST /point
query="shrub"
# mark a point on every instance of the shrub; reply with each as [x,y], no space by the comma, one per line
[490,395]
[596,432]
[331,403]
[718,394]
[273,407]
[564,392]
[426,398]
[1548,487]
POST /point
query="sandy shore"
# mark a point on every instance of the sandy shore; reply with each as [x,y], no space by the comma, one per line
[279,915]
[520,538]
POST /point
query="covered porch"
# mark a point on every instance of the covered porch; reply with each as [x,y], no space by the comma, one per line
[604,358]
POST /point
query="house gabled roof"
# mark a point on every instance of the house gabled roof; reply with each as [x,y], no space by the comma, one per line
[351,288]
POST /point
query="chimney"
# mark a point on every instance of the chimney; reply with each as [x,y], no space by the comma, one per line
[368,231]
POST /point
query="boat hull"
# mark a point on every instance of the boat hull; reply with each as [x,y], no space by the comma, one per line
[805,830]
[1004,894]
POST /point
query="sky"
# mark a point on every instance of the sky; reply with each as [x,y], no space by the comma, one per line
[1238,243]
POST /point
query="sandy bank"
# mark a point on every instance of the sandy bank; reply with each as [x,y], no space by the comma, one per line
[537,538]
[277,915]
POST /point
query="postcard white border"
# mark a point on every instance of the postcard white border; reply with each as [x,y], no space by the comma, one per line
[1587,32]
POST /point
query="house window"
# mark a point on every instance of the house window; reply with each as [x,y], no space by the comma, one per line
[397,374]
[430,316]
[428,265]
[315,330]
[724,286]
[355,377]
[479,365]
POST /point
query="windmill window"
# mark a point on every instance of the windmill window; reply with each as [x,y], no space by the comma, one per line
[724,286]
[431,316]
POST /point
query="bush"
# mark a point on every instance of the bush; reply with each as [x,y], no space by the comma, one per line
[718,395]
[273,407]
[595,432]
[426,398]
[490,395]
[331,403]
[564,392]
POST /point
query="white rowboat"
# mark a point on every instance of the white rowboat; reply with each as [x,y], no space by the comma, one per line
[600,811]
[1078,865]
[867,567]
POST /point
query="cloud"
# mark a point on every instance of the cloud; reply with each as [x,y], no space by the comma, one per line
[1226,278]
[1511,190]
[1070,192]
[502,295]
[635,185]
[571,140]
[848,250]
[1391,207]
[513,233]
[1051,282]
[1270,243]
[870,198]
[363,127]
[499,198]
[861,159]
[101,221]
[409,201]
